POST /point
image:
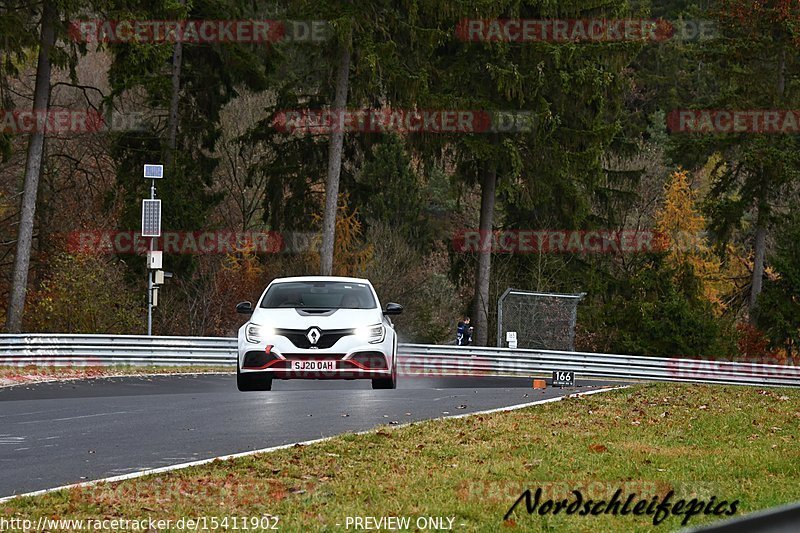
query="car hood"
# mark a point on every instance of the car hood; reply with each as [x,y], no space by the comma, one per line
[291,318]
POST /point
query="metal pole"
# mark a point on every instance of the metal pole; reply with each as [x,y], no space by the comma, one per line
[149,302]
[150,272]
[500,302]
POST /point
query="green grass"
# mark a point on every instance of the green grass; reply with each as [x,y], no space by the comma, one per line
[700,441]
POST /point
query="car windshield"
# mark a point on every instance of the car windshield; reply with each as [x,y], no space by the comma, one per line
[319,294]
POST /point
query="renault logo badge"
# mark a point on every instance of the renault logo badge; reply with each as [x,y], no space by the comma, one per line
[313,335]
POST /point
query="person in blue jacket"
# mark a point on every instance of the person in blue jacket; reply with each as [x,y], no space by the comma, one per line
[464,333]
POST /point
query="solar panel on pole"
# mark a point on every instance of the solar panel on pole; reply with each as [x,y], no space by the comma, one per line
[151,218]
[154,171]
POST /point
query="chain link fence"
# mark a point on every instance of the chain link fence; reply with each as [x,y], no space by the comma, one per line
[542,321]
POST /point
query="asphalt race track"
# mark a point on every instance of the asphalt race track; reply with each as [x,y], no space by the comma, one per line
[53,434]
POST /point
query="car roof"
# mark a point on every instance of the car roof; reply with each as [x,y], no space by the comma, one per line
[321,278]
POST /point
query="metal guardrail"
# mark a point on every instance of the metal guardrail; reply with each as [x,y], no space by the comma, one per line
[98,350]
[413,359]
[452,360]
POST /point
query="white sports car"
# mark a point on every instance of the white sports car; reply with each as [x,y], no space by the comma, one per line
[317,327]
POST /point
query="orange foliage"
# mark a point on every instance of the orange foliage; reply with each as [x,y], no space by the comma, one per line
[753,345]
[350,255]
[681,227]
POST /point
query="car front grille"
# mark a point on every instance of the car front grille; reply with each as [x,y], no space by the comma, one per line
[326,340]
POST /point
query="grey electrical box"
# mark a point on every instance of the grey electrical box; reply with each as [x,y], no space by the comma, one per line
[154,259]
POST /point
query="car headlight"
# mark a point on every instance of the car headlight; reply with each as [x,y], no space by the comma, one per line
[372,334]
[255,333]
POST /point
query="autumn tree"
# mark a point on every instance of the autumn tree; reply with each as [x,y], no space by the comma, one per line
[681,231]
[751,65]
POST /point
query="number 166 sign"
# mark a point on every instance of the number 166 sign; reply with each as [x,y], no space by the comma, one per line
[563,378]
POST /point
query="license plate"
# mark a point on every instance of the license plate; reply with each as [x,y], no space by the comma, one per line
[313,365]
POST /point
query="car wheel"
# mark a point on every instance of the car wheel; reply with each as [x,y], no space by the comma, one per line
[252,382]
[386,383]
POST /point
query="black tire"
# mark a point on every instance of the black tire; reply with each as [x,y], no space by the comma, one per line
[386,383]
[252,382]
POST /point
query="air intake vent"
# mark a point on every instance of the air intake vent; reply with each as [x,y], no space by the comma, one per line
[327,339]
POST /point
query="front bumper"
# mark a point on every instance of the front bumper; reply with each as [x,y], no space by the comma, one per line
[349,358]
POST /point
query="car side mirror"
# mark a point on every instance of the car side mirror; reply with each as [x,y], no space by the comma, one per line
[393,309]
[245,308]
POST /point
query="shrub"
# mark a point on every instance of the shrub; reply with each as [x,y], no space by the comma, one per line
[86,294]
